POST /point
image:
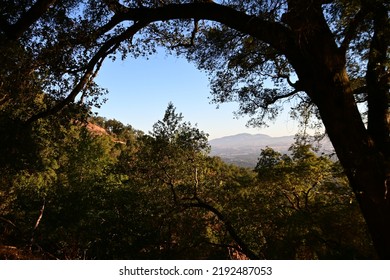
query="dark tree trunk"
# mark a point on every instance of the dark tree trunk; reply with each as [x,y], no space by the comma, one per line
[363,161]
[321,68]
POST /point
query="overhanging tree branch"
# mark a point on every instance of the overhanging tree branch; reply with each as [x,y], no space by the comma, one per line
[273,33]
[109,47]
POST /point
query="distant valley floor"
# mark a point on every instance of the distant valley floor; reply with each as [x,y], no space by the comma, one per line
[244,149]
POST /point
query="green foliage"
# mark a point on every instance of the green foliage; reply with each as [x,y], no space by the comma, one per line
[69,192]
[181,134]
[84,194]
[307,191]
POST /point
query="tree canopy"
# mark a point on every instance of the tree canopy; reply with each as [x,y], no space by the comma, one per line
[136,196]
[328,56]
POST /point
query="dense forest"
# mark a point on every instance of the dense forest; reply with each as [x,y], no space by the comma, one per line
[98,189]
[74,185]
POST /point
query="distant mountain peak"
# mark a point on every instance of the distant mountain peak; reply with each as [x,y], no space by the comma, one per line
[242,135]
[244,148]
[248,140]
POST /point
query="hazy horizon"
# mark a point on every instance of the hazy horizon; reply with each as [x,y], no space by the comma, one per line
[140,90]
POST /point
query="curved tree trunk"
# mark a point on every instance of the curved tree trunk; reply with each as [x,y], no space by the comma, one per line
[364,161]
[363,152]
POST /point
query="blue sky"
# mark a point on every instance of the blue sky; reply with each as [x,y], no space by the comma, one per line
[140,90]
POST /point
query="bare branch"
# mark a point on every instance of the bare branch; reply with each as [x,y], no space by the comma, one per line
[32,240]
[293,206]
[196,185]
[307,192]
[40,215]
[171,186]
[8,222]
[244,247]
[298,201]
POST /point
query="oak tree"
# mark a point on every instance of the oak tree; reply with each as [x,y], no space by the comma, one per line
[329,54]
